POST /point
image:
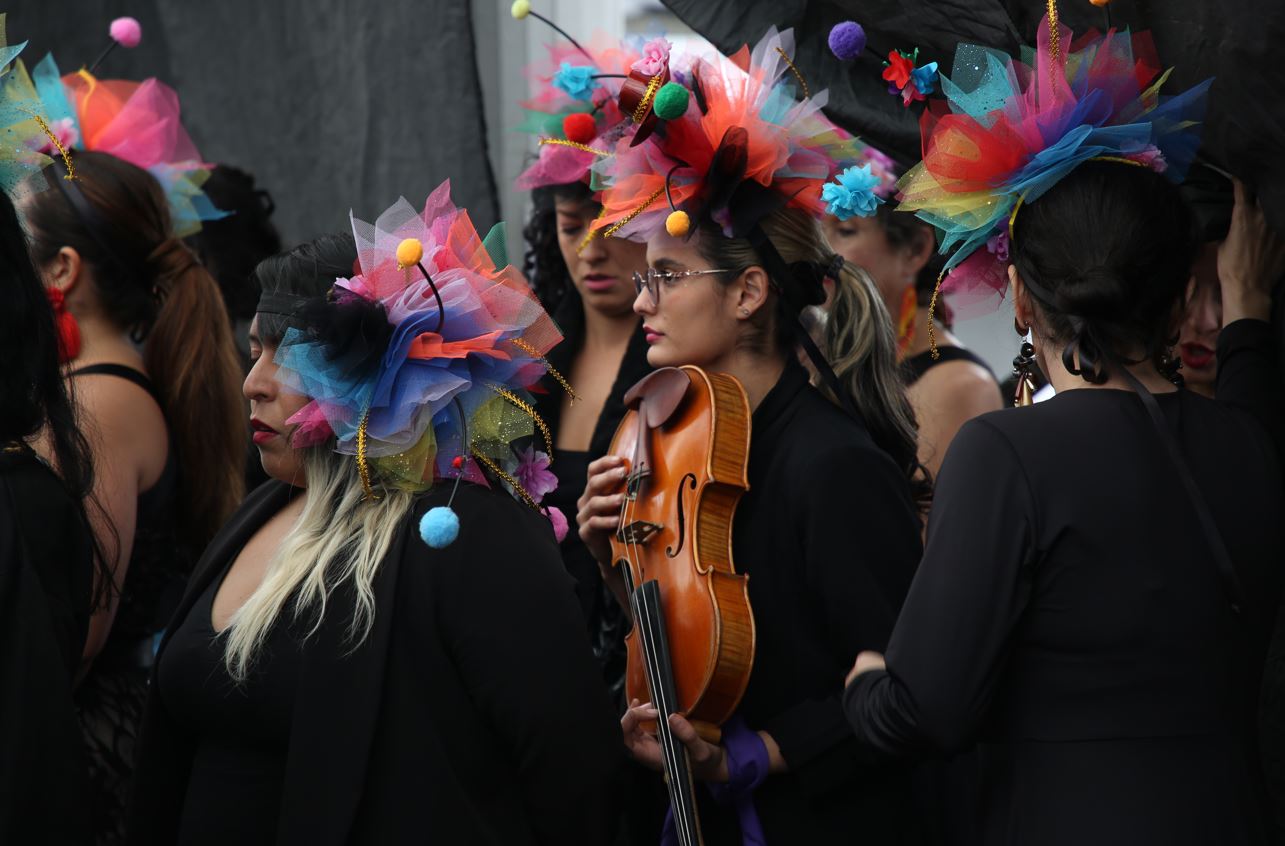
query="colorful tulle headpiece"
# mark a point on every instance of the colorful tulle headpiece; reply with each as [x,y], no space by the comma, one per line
[28,141]
[1009,130]
[134,121]
[751,139]
[419,365]
[574,108]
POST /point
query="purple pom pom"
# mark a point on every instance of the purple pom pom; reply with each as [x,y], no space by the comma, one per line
[126,32]
[847,40]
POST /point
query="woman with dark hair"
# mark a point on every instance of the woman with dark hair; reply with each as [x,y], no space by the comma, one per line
[382,645]
[149,350]
[828,532]
[586,283]
[1101,567]
[947,388]
[47,564]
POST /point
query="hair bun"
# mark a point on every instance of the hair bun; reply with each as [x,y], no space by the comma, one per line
[1096,292]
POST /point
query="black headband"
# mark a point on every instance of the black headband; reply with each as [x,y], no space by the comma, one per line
[283,305]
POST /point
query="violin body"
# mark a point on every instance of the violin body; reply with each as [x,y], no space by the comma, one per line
[686,435]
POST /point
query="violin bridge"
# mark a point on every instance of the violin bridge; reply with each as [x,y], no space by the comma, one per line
[639,531]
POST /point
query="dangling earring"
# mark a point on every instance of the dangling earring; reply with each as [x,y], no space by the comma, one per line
[68,330]
[1024,395]
[1170,367]
[906,320]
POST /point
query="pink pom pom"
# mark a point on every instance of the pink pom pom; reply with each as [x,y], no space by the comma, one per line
[559,521]
[127,32]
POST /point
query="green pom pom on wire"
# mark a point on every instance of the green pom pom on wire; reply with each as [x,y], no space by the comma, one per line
[671,101]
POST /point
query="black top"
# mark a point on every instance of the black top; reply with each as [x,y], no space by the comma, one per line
[606,620]
[913,368]
[473,712]
[1068,616]
[829,537]
[46,582]
[158,568]
[242,731]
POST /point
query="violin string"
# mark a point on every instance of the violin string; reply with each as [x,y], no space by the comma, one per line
[673,759]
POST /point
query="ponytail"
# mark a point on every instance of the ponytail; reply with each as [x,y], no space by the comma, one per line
[192,359]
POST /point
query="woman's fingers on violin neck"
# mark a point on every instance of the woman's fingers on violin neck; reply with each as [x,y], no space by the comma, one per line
[601,523]
[605,480]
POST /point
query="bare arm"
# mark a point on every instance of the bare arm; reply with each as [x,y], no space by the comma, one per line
[945,398]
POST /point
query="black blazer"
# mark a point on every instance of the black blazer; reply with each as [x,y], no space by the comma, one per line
[473,713]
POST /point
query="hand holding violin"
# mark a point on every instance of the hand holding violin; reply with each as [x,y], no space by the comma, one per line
[598,516]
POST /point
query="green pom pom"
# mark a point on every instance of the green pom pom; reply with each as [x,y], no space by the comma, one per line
[671,101]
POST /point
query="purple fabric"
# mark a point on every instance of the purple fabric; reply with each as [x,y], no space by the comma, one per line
[747,768]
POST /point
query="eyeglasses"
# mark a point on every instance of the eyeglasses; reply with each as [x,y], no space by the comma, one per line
[652,279]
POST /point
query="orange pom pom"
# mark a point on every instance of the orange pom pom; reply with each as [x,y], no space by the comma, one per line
[1099,3]
[678,223]
[409,253]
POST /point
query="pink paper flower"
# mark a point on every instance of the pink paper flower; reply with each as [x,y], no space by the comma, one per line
[655,57]
[533,473]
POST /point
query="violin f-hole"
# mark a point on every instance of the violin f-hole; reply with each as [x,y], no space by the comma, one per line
[688,481]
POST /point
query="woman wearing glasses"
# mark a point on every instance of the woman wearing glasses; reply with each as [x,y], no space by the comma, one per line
[828,530]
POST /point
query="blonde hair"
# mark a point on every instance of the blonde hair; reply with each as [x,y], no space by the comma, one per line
[858,340]
[340,537]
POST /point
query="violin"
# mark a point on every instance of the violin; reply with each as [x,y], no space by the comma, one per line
[686,436]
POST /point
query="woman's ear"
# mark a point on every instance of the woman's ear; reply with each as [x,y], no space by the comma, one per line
[63,271]
[1023,312]
[750,291]
[919,251]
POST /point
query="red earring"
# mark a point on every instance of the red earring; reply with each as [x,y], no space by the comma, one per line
[68,331]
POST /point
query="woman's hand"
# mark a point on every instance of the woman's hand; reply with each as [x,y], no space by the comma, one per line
[866,661]
[599,506]
[708,760]
[1250,261]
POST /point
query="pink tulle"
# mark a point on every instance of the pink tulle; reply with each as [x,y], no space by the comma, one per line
[137,122]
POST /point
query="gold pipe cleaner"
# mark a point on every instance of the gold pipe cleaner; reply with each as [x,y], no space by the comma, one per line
[363,468]
[790,64]
[932,309]
[592,233]
[624,221]
[62,151]
[553,371]
[640,111]
[1055,37]
[512,482]
[575,145]
[525,406]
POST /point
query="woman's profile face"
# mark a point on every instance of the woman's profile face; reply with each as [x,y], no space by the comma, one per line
[864,242]
[271,405]
[690,319]
[603,270]
[1202,320]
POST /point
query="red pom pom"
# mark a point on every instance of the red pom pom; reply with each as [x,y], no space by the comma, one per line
[457,462]
[579,127]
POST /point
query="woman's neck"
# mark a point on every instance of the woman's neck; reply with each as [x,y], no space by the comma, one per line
[103,341]
[608,331]
[757,373]
[1049,354]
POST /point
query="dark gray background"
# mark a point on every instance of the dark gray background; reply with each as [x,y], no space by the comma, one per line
[331,104]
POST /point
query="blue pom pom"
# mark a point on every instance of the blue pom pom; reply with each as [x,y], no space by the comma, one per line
[439,527]
[847,40]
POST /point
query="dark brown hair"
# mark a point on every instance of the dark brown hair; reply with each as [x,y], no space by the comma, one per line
[152,286]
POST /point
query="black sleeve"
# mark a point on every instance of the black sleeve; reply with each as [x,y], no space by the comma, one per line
[512,623]
[860,539]
[1249,376]
[950,641]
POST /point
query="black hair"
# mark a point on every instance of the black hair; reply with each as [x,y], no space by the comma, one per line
[307,271]
[232,246]
[1106,253]
[34,397]
[542,262]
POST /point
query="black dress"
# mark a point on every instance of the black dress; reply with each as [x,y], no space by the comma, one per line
[1068,617]
[606,620]
[914,368]
[829,536]
[46,581]
[473,712]
[111,697]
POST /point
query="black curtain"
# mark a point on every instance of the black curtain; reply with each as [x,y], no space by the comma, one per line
[1237,43]
[331,104]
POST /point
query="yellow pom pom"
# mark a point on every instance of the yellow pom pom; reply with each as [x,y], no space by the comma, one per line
[409,253]
[678,223]
[520,9]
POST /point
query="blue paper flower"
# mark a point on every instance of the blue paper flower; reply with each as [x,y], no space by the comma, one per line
[852,194]
[575,80]
[925,78]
